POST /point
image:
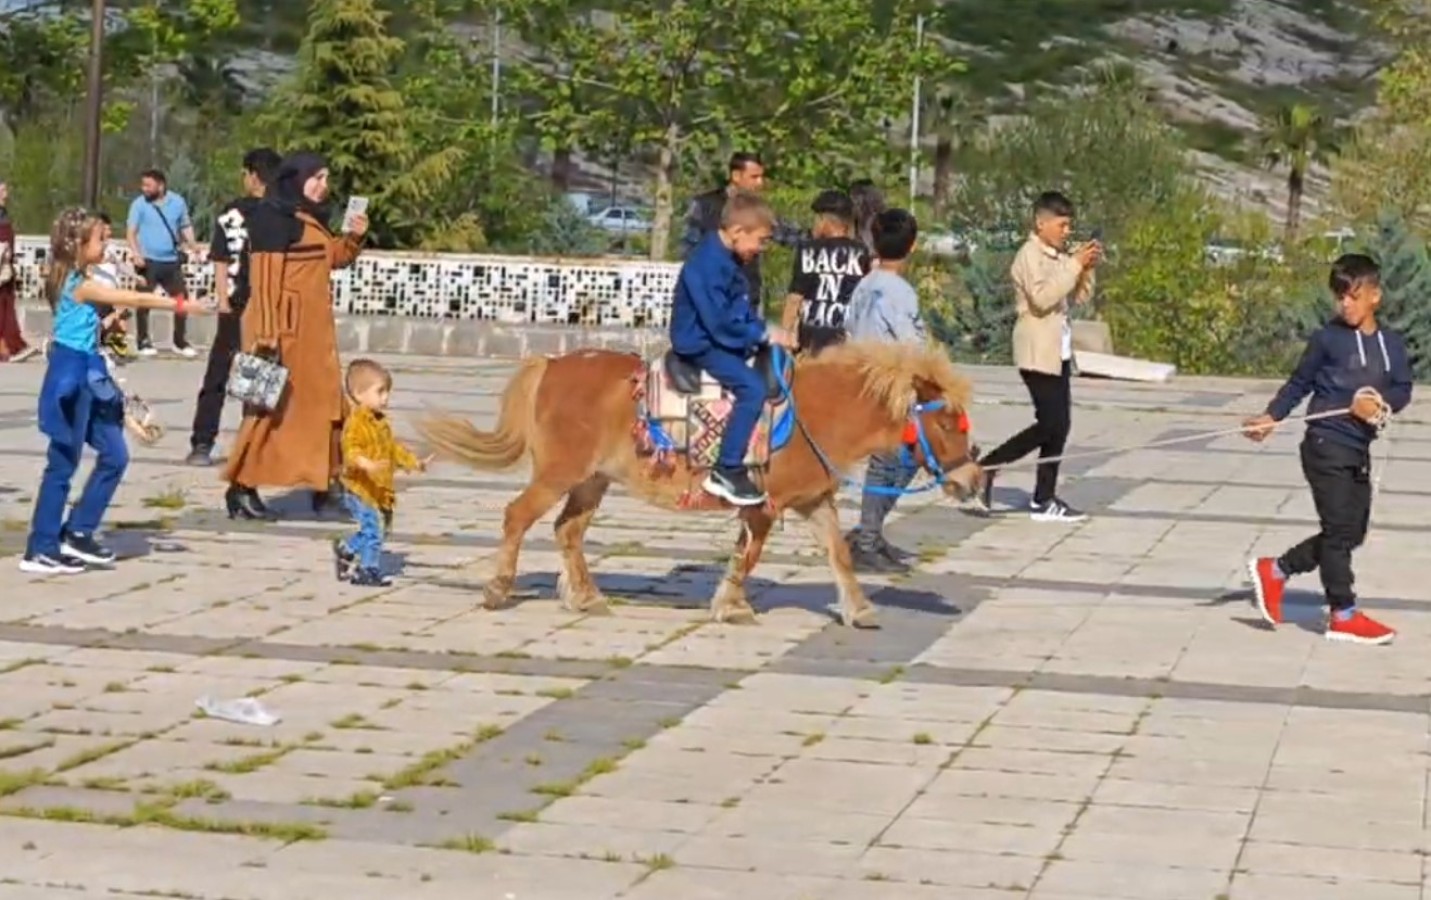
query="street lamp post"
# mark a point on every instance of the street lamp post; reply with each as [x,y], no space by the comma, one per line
[93,104]
[914,118]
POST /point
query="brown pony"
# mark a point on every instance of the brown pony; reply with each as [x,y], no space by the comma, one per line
[574,415]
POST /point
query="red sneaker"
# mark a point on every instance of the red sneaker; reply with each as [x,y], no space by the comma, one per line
[1359,629]
[1267,588]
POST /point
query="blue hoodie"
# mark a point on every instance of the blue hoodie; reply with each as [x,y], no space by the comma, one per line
[712,308]
[1339,360]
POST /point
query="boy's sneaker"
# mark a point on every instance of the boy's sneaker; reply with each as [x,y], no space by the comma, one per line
[369,578]
[45,564]
[86,549]
[1358,628]
[187,351]
[1055,510]
[203,455]
[344,560]
[1267,587]
[734,487]
[876,561]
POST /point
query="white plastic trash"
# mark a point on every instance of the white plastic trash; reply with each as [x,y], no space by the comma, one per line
[244,711]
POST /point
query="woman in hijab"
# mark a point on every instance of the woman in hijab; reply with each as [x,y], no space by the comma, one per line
[869,202]
[292,255]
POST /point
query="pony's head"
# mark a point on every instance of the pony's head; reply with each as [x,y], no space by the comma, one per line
[920,388]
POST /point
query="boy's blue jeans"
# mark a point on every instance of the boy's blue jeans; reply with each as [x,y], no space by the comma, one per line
[106,436]
[367,543]
[747,390]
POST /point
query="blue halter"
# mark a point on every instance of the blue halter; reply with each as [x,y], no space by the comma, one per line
[906,451]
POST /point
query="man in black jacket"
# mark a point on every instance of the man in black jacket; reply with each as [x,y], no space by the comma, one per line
[747,173]
[229,254]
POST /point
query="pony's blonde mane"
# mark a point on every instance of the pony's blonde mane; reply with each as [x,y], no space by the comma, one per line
[888,372]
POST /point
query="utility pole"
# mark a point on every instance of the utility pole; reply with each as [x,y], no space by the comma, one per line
[496,66]
[94,104]
[914,117]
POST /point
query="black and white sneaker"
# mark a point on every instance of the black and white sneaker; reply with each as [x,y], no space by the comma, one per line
[86,549]
[369,578]
[734,487]
[45,564]
[1055,510]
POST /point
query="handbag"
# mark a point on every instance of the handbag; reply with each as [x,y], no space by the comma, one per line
[178,245]
[258,380]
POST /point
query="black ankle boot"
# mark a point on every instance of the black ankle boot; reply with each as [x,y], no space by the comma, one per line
[244,503]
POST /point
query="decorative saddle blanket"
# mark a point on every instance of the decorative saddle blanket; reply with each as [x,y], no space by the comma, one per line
[683,410]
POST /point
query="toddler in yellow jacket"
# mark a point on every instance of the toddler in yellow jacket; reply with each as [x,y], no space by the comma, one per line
[370,454]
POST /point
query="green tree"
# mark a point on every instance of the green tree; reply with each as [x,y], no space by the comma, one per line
[801,79]
[1105,147]
[1405,286]
[344,102]
[1295,138]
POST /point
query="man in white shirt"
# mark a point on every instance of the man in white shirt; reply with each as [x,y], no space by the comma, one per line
[1047,279]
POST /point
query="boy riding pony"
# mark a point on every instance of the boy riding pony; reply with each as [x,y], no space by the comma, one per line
[715,327]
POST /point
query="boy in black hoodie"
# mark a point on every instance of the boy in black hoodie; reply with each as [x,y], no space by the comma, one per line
[1348,354]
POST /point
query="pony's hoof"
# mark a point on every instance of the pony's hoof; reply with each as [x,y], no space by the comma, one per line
[736,615]
[864,618]
[591,605]
[496,592]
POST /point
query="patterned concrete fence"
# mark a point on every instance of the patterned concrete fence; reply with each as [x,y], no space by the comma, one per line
[449,303]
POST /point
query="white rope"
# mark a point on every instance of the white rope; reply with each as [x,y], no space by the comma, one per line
[1378,421]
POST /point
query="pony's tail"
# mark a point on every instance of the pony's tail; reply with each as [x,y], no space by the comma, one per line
[455,438]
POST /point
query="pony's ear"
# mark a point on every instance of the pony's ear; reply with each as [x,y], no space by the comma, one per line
[925,390]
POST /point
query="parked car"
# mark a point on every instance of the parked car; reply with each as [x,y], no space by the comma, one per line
[624,220]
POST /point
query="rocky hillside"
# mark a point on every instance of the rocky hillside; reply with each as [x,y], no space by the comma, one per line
[1217,67]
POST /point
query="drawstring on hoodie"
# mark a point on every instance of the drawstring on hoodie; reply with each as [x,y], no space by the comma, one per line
[1381,341]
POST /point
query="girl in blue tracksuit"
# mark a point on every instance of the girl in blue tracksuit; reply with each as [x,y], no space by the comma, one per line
[79,402]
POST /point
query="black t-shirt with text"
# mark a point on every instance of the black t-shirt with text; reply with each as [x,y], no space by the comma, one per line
[231,245]
[825,275]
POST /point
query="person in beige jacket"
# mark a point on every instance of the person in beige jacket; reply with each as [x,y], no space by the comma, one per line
[1047,278]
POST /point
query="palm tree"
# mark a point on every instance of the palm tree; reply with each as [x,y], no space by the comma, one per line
[951,115]
[1297,137]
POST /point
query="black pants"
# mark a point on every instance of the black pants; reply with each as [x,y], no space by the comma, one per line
[210,407]
[1053,417]
[1340,478]
[170,277]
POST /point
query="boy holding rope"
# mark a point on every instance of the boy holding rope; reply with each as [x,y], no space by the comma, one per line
[1356,373]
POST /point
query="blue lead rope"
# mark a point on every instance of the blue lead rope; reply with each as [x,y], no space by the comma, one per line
[906,455]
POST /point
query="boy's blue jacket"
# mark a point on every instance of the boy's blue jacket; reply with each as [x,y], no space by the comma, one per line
[1338,361]
[712,308]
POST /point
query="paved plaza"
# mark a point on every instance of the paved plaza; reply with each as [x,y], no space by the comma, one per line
[1052,712]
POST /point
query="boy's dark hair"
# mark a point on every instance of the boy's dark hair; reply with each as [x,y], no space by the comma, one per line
[156,174]
[1351,271]
[104,217]
[836,204]
[894,231]
[740,159]
[262,162]
[1052,203]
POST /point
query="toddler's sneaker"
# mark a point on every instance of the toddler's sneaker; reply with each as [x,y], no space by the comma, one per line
[369,578]
[344,560]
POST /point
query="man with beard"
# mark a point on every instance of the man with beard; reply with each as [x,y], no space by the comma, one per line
[160,237]
[229,254]
[746,173]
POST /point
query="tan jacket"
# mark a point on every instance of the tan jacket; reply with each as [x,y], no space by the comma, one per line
[1045,280]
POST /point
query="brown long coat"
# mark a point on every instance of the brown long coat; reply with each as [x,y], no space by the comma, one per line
[291,308]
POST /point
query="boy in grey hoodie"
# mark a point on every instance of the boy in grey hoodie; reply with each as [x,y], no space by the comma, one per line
[885,307]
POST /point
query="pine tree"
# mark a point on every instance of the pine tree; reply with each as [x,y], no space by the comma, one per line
[1405,287]
[343,102]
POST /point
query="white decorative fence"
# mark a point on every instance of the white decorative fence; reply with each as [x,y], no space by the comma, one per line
[507,289]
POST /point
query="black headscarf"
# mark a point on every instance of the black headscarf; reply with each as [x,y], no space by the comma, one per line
[285,194]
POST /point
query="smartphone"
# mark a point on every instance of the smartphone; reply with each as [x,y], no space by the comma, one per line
[357,206]
[1097,235]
